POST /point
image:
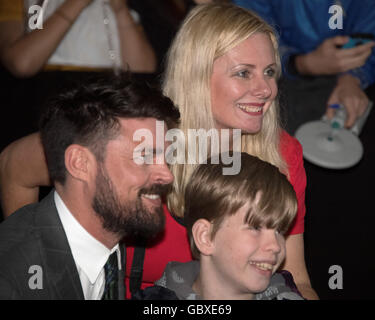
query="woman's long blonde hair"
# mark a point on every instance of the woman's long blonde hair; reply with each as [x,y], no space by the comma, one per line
[208,32]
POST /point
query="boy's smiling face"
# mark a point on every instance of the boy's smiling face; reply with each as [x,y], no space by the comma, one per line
[243,259]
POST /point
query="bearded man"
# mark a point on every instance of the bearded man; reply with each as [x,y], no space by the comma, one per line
[68,245]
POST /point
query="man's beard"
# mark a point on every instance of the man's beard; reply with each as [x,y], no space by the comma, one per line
[131,219]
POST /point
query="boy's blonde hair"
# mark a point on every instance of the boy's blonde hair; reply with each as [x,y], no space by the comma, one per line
[208,32]
[213,196]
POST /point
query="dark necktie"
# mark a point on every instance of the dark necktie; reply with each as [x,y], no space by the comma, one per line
[111,278]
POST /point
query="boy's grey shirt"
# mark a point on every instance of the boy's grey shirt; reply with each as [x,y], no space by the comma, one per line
[179,277]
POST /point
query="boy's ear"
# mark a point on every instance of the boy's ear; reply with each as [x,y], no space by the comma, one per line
[201,233]
[79,162]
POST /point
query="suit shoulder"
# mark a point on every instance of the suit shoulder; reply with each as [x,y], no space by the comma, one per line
[15,229]
[19,250]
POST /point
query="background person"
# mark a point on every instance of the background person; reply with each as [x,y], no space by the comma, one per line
[318,71]
[72,37]
[73,45]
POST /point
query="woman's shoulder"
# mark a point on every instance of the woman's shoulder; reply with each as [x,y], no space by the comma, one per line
[171,245]
[291,151]
[290,148]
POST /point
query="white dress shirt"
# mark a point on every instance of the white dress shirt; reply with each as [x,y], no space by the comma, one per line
[89,254]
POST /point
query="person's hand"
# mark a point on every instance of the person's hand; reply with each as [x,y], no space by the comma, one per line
[349,94]
[86,2]
[328,59]
[118,4]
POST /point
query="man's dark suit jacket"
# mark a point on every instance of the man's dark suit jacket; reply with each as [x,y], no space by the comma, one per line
[32,243]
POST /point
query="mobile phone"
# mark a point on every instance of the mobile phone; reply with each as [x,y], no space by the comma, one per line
[357,39]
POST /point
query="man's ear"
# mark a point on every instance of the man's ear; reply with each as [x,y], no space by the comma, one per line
[201,233]
[79,162]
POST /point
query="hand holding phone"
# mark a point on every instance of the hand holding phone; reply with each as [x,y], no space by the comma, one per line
[358,39]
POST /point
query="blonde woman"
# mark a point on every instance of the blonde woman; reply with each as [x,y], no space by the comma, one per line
[221,72]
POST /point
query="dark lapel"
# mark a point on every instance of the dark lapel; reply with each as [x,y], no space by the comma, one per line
[61,272]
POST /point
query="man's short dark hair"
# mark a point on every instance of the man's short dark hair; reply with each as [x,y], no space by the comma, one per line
[89,115]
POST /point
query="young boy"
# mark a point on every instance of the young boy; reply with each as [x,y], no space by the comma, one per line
[237,226]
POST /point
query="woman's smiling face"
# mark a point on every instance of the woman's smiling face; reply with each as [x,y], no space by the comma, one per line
[243,84]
